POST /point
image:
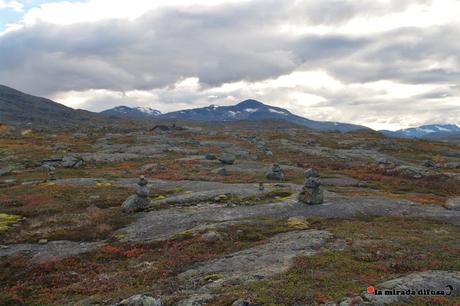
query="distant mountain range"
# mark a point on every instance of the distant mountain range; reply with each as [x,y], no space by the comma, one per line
[246,110]
[432,131]
[20,109]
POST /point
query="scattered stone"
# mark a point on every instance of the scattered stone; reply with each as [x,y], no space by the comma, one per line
[312,193]
[453,204]
[51,175]
[227,159]
[195,300]
[220,171]
[407,171]
[47,168]
[148,168]
[276,173]
[167,128]
[80,135]
[429,164]
[221,198]
[6,170]
[140,200]
[386,163]
[261,186]
[451,165]
[352,301]
[362,184]
[212,236]
[241,302]
[43,241]
[72,161]
[140,300]
[211,156]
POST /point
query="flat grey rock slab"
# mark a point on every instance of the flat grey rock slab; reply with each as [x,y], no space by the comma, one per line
[184,185]
[429,280]
[164,223]
[53,250]
[264,260]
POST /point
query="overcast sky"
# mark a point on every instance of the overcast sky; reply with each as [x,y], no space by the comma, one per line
[384,64]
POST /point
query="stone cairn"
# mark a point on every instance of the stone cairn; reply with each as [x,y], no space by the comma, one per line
[138,201]
[276,173]
[312,193]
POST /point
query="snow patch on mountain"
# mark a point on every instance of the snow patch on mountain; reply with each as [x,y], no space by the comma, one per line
[271,110]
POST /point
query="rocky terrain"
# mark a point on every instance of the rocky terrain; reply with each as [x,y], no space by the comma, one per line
[232,213]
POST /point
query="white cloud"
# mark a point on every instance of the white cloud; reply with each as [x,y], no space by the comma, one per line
[14,5]
[383,63]
[95,10]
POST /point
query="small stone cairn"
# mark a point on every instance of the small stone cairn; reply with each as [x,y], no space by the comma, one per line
[138,201]
[276,173]
[312,193]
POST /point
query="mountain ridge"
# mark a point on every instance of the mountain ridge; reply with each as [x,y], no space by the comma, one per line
[251,109]
[134,112]
[433,131]
[19,108]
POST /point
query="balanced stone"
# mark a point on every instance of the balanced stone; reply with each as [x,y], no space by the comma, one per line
[276,173]
[227,159]
[138,201]
[312,193]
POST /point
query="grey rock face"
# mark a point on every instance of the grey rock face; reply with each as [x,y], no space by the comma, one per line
[453,204]
[140,200]
[140,300]
[276,173]
[312,193]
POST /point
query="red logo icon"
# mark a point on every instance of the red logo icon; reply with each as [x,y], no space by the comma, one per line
[370,289]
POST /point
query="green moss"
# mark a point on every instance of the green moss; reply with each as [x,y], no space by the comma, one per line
[7,220]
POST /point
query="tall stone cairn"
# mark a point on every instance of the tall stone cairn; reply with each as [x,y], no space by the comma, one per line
[312,193]
[140,200]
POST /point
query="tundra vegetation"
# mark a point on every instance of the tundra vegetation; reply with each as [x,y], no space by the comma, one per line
[64,239]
